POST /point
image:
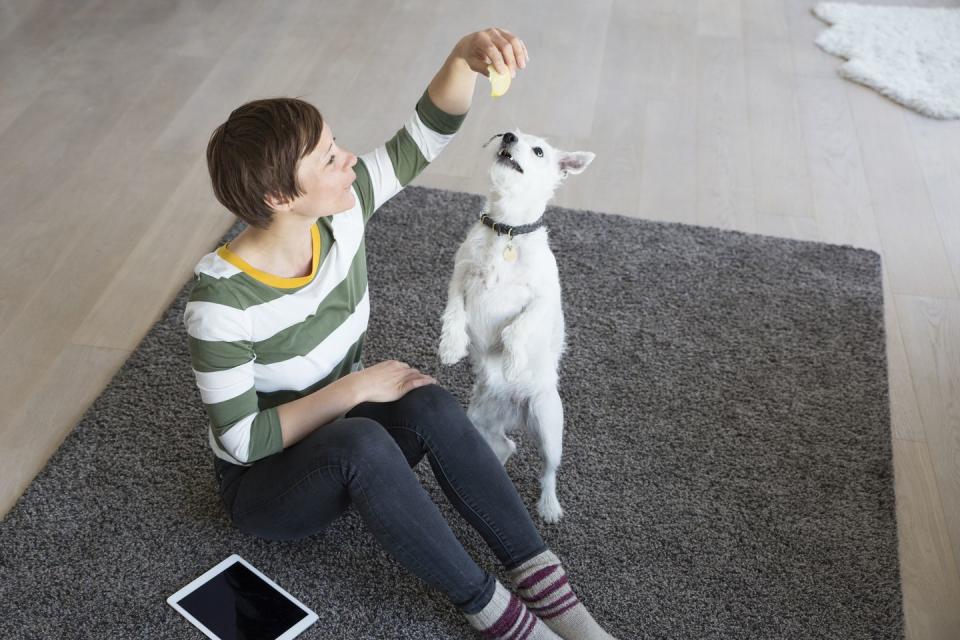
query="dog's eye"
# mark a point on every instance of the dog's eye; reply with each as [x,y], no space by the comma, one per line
[538,151]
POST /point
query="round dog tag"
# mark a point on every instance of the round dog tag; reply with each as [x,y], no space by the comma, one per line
[510,253]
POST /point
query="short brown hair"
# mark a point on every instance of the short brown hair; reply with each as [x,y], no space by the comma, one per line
[254,154]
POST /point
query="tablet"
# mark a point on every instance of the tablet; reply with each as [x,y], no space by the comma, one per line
[233,601]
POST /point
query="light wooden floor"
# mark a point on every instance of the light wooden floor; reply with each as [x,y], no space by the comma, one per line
[717,112]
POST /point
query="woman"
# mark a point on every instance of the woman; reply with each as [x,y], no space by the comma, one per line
[299,428]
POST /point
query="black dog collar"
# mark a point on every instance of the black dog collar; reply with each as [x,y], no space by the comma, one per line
[501,228]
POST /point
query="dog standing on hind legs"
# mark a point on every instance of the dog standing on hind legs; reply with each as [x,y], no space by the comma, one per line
[504,308]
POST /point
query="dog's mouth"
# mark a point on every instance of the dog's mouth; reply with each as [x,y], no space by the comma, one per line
[504,157]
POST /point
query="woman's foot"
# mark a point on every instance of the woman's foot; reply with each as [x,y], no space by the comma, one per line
[506,618]
[543,585]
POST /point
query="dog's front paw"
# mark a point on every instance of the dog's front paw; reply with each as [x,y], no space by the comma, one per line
[453,346]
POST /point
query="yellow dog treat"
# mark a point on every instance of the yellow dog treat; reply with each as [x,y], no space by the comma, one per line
[499,82]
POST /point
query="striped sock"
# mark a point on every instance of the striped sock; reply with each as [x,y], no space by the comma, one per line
[543,585]
[506,618]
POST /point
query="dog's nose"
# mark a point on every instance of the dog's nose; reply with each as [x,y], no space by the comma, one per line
[509,138]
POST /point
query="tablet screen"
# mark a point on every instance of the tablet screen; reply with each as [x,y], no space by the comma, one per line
[237,604]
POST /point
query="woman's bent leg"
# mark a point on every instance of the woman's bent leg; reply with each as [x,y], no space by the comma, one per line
[303,489]
[429,420]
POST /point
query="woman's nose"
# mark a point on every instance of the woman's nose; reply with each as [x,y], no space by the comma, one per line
[509,138]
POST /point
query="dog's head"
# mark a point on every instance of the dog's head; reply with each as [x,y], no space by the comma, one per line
[526,164]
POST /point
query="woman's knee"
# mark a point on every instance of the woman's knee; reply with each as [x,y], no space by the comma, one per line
[358,438]
[431,401]
[437,416]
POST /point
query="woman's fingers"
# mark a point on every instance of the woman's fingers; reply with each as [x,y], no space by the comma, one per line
[402,376]
[414,380]
[519,51]
[506,51]
[514,49]
[496,59]
[498,48]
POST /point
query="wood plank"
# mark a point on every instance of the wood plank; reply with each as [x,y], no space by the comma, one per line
[720,18]
[91,179]
[270,56]
[841,197]
[916,260]
[724,164]
[931,587]
[665,104]
[931,336]
[904,408]
[667,166]
[938,153]
[780,178]
[764,22]
[804,27]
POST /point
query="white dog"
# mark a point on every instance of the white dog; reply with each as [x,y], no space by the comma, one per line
[504,308]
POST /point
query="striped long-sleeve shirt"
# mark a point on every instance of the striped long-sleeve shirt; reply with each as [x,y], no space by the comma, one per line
[258,341]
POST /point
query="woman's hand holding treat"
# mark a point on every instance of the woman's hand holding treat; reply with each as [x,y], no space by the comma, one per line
[495,53]
[497,47]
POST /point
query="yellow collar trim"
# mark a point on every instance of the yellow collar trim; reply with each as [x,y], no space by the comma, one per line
[268,278]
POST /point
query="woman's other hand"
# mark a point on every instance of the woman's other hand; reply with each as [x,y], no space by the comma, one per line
[388,381]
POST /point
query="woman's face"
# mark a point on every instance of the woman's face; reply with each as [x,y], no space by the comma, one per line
[326,178]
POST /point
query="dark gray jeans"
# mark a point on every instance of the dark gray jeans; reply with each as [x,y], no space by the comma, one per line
[366,459]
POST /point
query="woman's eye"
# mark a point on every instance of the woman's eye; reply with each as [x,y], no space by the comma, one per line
[332,156]
[538,151]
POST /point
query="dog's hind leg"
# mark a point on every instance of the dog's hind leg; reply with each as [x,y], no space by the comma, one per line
[545,424]
[493,415]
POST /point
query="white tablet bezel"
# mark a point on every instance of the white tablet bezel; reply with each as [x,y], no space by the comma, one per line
[292,632]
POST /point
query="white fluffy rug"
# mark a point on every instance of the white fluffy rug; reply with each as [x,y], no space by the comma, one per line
[909,54]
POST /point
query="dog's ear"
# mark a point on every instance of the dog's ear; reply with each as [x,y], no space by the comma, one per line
[575,161]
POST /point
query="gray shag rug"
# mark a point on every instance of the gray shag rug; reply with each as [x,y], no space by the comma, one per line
[727,463]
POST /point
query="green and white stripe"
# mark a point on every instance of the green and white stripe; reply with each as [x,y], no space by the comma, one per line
[382,173]
[255,346]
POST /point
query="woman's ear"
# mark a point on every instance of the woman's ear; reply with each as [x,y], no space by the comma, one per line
[276,203]
[575,161]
